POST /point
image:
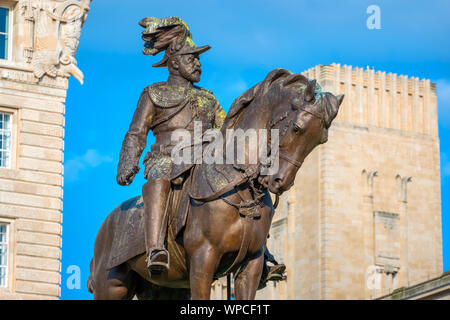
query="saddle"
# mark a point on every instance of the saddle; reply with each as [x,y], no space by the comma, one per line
[128,223]
[203,184]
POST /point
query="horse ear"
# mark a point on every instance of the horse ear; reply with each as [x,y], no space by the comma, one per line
[340,98]
[324,137]
[310,90]
[332,104]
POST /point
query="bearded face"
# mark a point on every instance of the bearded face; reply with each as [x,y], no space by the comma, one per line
[189,67]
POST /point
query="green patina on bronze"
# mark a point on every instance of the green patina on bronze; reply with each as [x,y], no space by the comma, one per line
[170,34]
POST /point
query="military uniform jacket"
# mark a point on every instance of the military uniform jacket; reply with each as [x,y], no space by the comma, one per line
[164,109]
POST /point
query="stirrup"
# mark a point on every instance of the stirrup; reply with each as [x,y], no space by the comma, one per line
[158,261]
[276,273]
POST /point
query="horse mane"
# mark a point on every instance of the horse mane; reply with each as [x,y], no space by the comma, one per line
[246,98]
[329,104]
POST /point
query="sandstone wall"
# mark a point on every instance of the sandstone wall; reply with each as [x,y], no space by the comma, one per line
[33,85]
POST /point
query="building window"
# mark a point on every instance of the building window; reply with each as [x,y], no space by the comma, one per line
[5,140]
[3,255]
[4,33]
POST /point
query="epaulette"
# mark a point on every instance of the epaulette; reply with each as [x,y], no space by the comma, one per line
[209,91]
[164,96]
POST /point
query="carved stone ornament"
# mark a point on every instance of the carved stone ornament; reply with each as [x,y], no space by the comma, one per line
[54,36]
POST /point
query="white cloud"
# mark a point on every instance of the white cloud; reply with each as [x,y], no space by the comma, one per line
[91,159]
[238,87]
[443,100]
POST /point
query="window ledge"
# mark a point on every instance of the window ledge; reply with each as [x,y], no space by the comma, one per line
[20,66]
[8,64]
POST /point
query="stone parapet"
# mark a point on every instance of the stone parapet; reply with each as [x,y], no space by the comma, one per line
[377,98]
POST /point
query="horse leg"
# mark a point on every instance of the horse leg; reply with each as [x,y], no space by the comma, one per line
[247,281]
[116,284]
[202,265]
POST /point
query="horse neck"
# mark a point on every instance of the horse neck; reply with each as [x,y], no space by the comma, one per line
[253,117]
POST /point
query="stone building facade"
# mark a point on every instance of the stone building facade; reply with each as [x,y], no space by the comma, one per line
[38,42]
[364,216]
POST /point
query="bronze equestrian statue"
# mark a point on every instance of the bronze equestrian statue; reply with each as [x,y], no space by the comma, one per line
[163,108]
[196,223]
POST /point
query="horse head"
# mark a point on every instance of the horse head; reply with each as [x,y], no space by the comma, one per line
[303,114]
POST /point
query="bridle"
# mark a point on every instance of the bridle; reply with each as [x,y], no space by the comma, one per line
[250,175]
[284,155]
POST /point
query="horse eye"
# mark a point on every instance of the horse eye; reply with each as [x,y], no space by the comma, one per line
[297,129]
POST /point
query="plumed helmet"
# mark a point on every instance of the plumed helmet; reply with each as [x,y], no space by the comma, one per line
[171,35]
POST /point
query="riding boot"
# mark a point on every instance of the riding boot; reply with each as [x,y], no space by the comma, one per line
[155,194]
[275,273]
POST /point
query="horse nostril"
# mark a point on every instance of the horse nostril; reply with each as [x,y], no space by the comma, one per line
[278,180]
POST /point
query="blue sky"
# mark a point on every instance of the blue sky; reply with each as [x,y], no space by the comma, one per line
[248,38]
